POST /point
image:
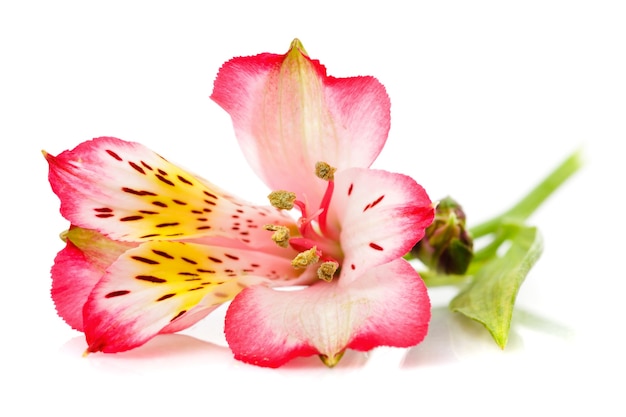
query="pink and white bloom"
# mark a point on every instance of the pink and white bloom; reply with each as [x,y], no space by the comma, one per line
[315,137]
[152,248]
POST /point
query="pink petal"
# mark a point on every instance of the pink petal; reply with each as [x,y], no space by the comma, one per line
[387,306]
[162,287]
[380,216]
[77,269]
[127,192]
[288,115]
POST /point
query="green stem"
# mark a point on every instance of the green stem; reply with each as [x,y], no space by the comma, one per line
[433,279]
[527,205]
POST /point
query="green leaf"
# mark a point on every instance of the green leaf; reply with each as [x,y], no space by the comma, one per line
[490,297]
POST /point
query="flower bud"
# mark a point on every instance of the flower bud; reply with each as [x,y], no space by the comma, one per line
[447,247]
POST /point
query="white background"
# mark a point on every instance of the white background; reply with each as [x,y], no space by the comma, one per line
[486,98]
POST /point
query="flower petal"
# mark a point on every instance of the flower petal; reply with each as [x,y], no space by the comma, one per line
[164,286]
[127,192]
[387,306]
[77,269]
[381,216]
[288,115]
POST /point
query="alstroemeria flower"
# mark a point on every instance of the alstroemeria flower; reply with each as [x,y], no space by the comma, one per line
[152,248]
[311,138]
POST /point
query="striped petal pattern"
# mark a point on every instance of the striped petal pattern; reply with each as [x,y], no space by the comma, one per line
[130,193]
[152,248]
[158,283]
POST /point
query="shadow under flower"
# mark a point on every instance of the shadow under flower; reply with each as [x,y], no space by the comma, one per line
[167,351]
[541,324]
[453,337]
[350,360]
[171,351]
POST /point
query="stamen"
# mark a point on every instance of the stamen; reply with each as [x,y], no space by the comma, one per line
[282,199]
[304,222]
[325,204]
[306,258]
[325,171]
[280,236]
[327,270]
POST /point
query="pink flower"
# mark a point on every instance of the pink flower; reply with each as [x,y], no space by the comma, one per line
[315,137]
[153,248]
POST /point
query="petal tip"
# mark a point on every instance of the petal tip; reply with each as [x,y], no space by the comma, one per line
[331,361]
[297,45]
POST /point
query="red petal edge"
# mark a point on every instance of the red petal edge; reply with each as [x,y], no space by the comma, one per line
[389,306]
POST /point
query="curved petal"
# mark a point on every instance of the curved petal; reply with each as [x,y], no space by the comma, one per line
[163,286]
[77,269]
[288,115]
[387,306]
[127,192]
[380,215]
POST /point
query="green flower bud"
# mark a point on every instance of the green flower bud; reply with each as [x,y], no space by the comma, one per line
[446,247]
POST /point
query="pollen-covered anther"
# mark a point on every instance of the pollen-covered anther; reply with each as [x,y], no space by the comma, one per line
[325,171]
[305,258]
[282,199]
[327,270]
[280,236]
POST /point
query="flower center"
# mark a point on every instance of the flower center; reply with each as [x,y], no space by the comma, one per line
[317,244]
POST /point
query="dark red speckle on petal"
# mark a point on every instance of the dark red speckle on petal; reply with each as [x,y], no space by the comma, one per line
[136,192]
[116,293]
[150,278]
[375,246]
[167,224]
[145,260]
[130,218]
[114,155]
[178,315]
[373,203]
[165,180]
[162,253]
[185,180]
[137,167]
[165,297]
[190,261]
